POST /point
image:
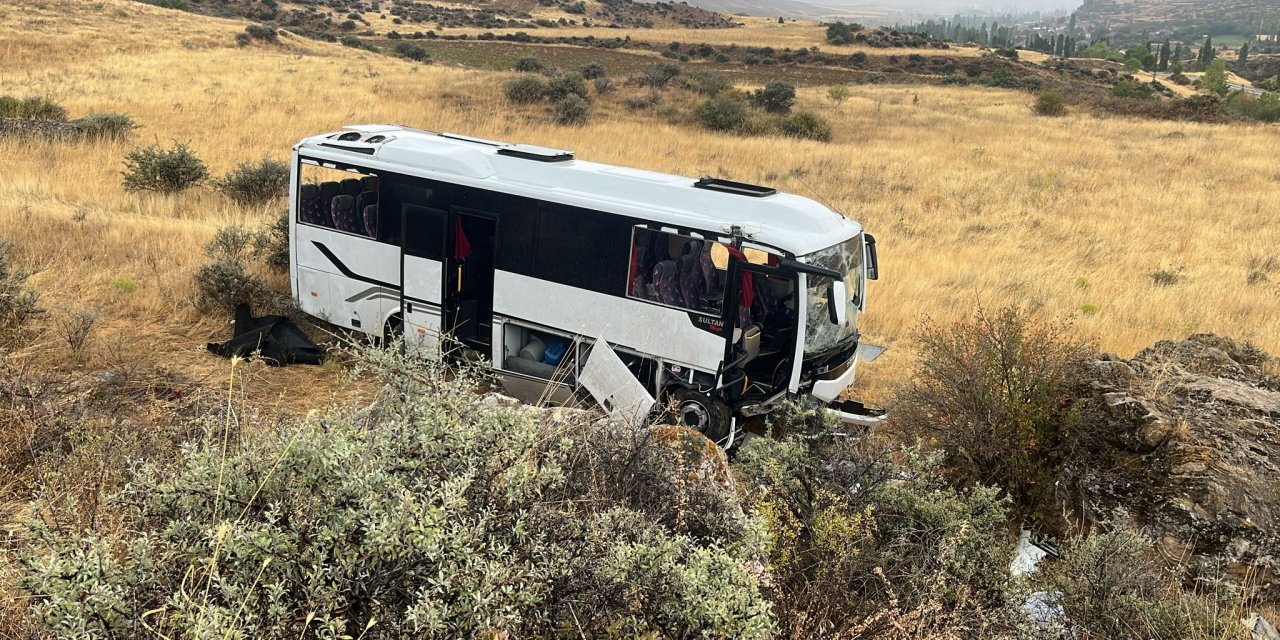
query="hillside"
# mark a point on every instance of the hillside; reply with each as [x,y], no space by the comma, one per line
[1190,18]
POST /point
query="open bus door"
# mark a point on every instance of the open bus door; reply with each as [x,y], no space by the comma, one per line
[421,273]
[468,279]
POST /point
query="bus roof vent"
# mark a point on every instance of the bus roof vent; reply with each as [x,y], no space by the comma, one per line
[738,188]
[531,152]
[350,136]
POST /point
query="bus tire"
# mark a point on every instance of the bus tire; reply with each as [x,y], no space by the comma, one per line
[706,415]
[394,330]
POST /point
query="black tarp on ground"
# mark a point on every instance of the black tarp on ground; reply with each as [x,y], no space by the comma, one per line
[279,341]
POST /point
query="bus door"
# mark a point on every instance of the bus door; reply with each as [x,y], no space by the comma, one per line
[468,294]
[763,324]
[423,238]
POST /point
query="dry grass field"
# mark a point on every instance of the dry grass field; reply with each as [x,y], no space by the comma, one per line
[975,201]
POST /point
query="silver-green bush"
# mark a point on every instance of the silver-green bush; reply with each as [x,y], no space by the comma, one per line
[430,514]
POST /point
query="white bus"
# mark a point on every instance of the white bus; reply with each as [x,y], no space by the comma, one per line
[715,295]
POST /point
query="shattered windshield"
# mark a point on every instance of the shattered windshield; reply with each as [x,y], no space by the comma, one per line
[820,333]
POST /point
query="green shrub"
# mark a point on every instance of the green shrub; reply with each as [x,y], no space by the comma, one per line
[775,97]
[603,85]
[264,32]
[356,43]
[857,59]
[34,108]
[1167,276]
[1050,103]
[842,33]
[18,302]
[565,85]
[223,284]
[1005,424]
[806,125]
[124,284]
[592,70]
[526,89]
[955,79]
[256,184]
[724,112]
[412,51]
[431,514]
[1108,587]
[105,126]
[706,83]
[1130,90]
[1002,78]
[856,544]
[181,5]
[572,109]
[874,78]
[1264,108]
[163,170]
[838,94]
[272,244]
[528,64]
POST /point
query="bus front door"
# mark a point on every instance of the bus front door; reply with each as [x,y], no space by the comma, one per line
[422,277]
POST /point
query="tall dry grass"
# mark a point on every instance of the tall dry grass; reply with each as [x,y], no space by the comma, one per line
[974,200]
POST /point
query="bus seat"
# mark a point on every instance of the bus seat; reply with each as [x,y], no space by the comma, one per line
[350,187]
[766,301]
[369,183]
[371,220]
[665,280]
[309,207]
[691,276]
[365,200]
[712,291]
[344,214]
[328,191]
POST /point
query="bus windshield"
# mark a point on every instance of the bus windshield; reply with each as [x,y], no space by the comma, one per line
[821,335]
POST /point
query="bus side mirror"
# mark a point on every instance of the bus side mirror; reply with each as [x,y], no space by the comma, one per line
[837,302]
[873,261]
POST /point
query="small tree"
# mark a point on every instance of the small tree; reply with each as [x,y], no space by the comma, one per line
[570,83]
[775,97]
[996,395]
[1050,103]
[163,170]
[838,94]
[1215,78]
[1243,59]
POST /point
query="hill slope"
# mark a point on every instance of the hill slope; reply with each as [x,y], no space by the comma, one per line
[1195,17]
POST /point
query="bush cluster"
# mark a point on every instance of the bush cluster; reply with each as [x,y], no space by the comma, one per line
[263,32]
[430,515]
[256,183]
[166,171]
[528,64]
[806,125]
[229,279]
[775,97]
[106,126]
[571,110]
[526,90]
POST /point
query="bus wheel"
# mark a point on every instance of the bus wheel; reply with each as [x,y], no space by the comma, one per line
[707,416]
[393,331]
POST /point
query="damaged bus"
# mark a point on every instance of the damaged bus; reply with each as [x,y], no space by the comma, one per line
[718,298]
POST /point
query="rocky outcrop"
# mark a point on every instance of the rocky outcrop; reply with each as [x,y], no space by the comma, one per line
[1183,442]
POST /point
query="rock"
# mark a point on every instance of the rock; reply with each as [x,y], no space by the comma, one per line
[1183,441]
[1259,628]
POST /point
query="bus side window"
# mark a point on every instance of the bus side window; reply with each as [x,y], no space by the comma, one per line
[675,270]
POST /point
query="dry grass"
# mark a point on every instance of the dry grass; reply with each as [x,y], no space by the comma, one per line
[974,200]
